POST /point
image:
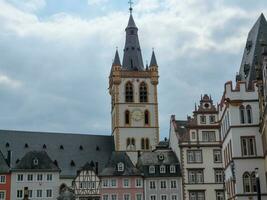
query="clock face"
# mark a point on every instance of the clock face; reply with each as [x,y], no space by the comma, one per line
[137,115]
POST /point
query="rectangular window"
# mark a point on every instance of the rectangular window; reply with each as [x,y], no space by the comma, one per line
[113,197]
[20,177]
[151,169]
[202,119]
[139,197]
[195,176]
[194,156]
[152,185]
[174,197]
[164,197]
[2,195]
[193,135]
[220,195]
[49,177]
[217,156]
[39,193]
[196,195]
[173,184]
[105,183]
[153,197]
[126,182]
[218,175]
[30,177]
[208,136]
[2,179]
[30,193]
[19,193]
[113,183]
[212,119]
[49,193]
[138,182]
[126,197]
[105,197]
[172,169]
[39,177]
[248,146]
[162,169]
[163,184]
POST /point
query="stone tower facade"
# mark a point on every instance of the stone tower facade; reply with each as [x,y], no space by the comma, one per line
[134,101]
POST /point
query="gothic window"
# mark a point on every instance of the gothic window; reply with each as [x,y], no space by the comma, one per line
[130,144]
[242,114]
[127,117]
[129,92]
[146,117]
[246,182]
[143,143]
[147,143]
[253,182]
[249,117]
[248,146]
[143,92]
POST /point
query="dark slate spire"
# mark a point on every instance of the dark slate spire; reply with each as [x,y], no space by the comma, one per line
[116,61]
[252,51]
[132,58]
[153,61]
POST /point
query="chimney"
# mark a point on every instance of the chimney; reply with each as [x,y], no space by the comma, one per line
[9,158]
[96,168]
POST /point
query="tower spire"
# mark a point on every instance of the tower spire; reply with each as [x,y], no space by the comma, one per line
[131,8]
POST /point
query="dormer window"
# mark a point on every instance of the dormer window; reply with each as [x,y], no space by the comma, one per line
[120,167]
[212,119]
[35,161]
[203,119]
[172,169]
[161,157]
[162,169]
[151,169]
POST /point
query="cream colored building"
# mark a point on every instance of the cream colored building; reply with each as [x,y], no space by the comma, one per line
[197,143]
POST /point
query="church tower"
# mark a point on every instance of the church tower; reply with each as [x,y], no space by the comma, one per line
[134,101]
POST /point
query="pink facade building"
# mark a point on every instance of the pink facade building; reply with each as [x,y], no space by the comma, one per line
[121,180]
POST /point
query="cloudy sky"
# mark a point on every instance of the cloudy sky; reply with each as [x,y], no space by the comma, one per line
[55,57]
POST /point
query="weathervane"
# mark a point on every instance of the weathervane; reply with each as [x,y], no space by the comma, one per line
[131,8]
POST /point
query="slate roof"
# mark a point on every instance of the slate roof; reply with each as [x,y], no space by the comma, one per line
[4,168]
[252,51]
[70,151]
[153,61]
[116,61]
[181,130]
[152,159]
[132,58]
[44,162]
[111,167]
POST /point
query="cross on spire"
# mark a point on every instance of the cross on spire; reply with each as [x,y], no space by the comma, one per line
[131,8]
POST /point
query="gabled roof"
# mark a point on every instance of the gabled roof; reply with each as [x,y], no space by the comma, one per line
[61,148]
[252,51]
[4,168]
[35,161]
[111,168]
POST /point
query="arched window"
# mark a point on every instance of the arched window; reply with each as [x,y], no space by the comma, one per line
[253,182]
[130,144]
[147,143]
[246,182]
[242,114]
[146,117]
[142,143]
[133,141]
[249,116]
[127,117]
[129,92]
[143,92]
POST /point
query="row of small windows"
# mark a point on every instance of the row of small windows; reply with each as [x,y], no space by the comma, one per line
[129,92]
[39,193]
[130,144]
[245,114]
[146,117]
[38,177]
[162,169]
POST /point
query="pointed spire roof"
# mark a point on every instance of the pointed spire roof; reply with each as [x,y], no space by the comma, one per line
[153,61]
[132,58]
[252,51]
[116,61]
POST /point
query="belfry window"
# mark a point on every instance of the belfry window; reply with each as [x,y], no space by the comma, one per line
[130,144]
[143,92]
[127,117]
[146,117]
[129,92]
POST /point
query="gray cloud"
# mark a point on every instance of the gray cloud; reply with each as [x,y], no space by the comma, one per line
[56,70]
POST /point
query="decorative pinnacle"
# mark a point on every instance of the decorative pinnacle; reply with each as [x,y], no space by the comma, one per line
[131,8]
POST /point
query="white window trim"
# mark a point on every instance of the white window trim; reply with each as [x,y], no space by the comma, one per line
[163,195]
[162,167]
[129,183]
[107,183]
[112,195]
[139,194]
[4,178]
[152,195]
[115,181]
[51,193]
[172,169]
[17,178]
[141,181]
[124,194]
[4,194]
[106,194]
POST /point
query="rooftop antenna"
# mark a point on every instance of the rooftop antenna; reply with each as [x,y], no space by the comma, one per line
[131,8]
